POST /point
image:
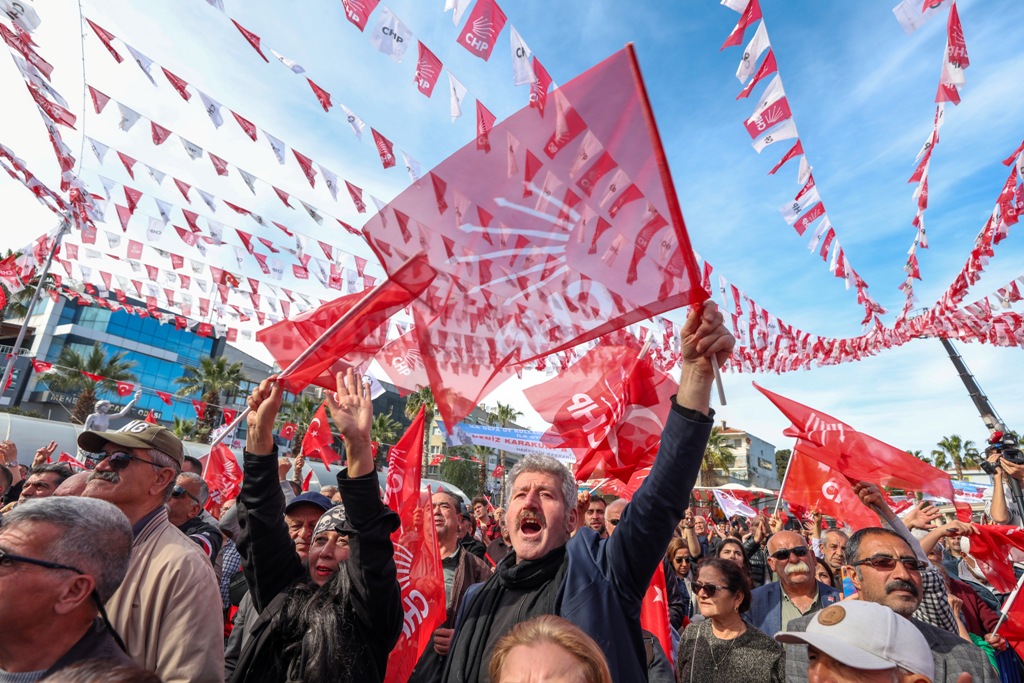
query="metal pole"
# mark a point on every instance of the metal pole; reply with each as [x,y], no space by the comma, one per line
[782,486]
[32,303]
[1005,612]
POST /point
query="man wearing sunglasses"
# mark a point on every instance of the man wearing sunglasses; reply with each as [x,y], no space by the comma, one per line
[60,559]
[170,598]
[185,508]
[796,593]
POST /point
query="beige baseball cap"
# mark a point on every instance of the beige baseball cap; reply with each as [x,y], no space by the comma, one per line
[136,434]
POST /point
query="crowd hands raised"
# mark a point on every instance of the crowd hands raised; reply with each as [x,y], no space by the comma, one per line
[120,573]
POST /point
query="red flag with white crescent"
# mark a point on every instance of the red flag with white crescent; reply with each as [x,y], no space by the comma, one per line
[318,439]
[654,611]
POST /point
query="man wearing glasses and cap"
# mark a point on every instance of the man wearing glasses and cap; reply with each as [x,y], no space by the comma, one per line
[796,593]
[170,599]
[185,508]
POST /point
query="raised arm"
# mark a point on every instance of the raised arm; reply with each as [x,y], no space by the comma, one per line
[128,406]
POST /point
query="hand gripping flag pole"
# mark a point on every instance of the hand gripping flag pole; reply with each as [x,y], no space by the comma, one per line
[346,318]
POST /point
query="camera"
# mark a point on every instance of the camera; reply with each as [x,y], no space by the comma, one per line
[1006,445]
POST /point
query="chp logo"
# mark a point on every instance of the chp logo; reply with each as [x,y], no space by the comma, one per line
[414,603]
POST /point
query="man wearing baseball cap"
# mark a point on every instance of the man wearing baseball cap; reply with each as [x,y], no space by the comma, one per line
[859,641]
[169,600]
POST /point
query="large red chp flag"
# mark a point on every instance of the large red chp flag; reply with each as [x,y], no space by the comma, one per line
[417,554]
[567,229]
[224,477]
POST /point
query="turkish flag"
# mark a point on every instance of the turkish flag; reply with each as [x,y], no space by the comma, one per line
[498,473]
[355,342]
[41,366]
[287,430]
[165,397]
[654,611]
[435,460]
[125,388]
[92,376]
[609,408]
[861,457]
[813,485]
[229,415]
[318,439]
[505,298]
[150,418]
[482,28]
[416,552]
[200,407]
[224,477]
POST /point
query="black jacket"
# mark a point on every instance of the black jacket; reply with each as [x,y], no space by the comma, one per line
[272,567]
[97,643]
[205,535]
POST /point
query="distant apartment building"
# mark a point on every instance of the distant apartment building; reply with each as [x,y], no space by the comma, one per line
[755,459]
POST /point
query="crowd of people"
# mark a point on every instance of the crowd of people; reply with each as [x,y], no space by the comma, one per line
[120,573]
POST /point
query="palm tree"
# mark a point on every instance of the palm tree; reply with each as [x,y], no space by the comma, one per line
[955,452]
[300,412]
[384,430]
[184,429]
[717,456]
[481,453]
[423,397]
[16,307]
[69,378]
[213,379]
[502,416]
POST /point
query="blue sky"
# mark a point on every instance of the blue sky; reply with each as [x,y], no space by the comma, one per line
[861,91]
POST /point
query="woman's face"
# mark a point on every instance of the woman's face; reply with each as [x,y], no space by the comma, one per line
[724,601]
[543,661]
[821,574]
[733,553]
[326,553]
[681,562]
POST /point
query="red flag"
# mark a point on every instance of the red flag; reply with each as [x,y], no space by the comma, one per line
[484,123]
[253,39]
[99,100]
[160,134]
[200,407]
[610,408]
[359,339]
[318,439]
[358,11]
[71,460]
[150,418]
[417,554]
[482,28]
[435,460]
[428,68]
[125,389]
[751,14]
[322,96]
[859,456]
[307,167]
[498,473]
[767,68]
[41,366]
[507,297]
[991,545]
[384,149]
[106,37]
[93,377]
[224,477]
[539,86]
[248,126]
[178,83]
[165,397]
[305,482]
[229,415]
[813,485]
[287,430]
[654,611]
[401,361]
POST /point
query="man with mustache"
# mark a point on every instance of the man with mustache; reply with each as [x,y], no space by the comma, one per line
[597,584]
[884,569]
[796,593]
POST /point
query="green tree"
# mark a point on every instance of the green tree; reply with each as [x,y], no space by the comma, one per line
[213,380]
[461,473]
[300,412]
[184,429]
[955,452]
[68,377]
[503,416]
[482,453]
[717,456]
[384,431]
[782,462]
[424,397]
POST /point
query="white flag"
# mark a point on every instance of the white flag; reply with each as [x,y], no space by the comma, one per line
[458,92]
[143,61]
[155,174]
[757,45]
[290,63]
[331,180]
[391,36]
[733,506]
[312,212]
[771,94]
[208,198]
[736,5]
[113,239]
[128,117]
[192,149]
[784,131]
[275,145]
[912,15]
[588,150]
[412,166]
[164,209]
[354,121]
[98,148]
[792,211]
[155,230]
[212,108]
[460,8]
[522,65]
[824,225]
[804,172]
[249,178]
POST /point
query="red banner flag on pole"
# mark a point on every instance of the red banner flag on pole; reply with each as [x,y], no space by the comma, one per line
[287,430]
[814,485]
[318,441]
[151,418]
[71,460]
[654,611]
[572,269]
[417,553]
[224,477]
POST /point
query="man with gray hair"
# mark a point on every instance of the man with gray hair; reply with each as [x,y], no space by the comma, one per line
[185,508]
[597,584]
[60,560]
[170,598]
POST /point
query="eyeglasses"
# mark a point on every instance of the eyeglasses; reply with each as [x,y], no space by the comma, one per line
[680,560]
[887,564]
[784,553]
[613,522]
[120,460]
[709,588]
[178,491]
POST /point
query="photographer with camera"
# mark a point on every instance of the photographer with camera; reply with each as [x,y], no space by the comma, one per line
[1005,463]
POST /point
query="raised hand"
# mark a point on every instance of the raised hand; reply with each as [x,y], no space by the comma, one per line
[44,453]
[263,402]
[352,413]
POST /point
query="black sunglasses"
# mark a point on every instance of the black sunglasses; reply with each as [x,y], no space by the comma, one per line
[780,555]
[120,460]
[613,522]
[7,559]
[709,588]
[178,491]
[680,560]
[886,563]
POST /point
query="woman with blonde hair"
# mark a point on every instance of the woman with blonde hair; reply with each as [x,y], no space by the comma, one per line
[549,648]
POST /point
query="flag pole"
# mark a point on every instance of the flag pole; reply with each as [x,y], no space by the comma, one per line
[330,332]
[782,486]
[1005,612]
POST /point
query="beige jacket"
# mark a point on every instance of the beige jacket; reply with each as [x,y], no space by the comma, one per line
[168,608]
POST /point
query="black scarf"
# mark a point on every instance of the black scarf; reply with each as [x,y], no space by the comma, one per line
[541,579]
